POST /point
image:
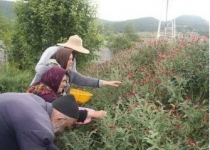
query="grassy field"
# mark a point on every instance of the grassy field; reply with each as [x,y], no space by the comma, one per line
[161,105]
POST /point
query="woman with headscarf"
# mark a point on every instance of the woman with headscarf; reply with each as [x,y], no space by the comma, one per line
[51,86]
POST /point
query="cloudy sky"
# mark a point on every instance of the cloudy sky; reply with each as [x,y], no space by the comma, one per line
[118,10]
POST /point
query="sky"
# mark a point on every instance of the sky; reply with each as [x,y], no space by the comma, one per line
[120,10]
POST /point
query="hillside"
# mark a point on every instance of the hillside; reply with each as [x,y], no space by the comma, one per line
[184,23]
[142,24]
[193,24]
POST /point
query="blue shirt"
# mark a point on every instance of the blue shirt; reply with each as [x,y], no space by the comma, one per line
[25,122]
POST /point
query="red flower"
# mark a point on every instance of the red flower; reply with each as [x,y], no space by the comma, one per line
[192,143]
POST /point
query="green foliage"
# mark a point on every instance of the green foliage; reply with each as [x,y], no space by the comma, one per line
[123,41]
[131,33]
[13,79]
[131,120]
[159,105]
[41,24]
[148,24]
[6,31]
[74,141]
[119,42]
[194,70]
[192,24]
[162,103]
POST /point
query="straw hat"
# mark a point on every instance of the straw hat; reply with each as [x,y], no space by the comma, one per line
[75,42]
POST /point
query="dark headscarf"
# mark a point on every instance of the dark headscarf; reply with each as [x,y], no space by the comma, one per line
[53,77]
[62,56]
[48,86]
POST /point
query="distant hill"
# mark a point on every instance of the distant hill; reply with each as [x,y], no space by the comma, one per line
[184,23]
[142,24]
[192,23]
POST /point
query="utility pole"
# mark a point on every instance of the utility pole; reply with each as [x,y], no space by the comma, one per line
[168,29]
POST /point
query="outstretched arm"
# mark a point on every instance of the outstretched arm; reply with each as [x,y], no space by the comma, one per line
[97,114]
[79,79]
[111,83]
[85,114]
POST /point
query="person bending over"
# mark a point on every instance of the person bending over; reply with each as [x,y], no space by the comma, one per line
[28,122]
[64,54]
[51,86]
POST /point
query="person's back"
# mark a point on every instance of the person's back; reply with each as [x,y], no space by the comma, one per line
[42,65]
[46,56]
[25,122]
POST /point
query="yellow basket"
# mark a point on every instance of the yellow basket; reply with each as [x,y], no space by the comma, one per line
[81,96]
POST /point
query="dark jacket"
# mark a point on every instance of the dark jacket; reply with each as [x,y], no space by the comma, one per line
[25,122]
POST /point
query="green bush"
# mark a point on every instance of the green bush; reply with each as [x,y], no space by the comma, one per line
[14,80]
[41,24]
[120,42]
[126,40]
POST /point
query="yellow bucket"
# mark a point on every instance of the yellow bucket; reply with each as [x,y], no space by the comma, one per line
[81,96]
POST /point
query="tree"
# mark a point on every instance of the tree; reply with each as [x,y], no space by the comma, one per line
[43,23]
[5,35]
[123,41]
[131,33]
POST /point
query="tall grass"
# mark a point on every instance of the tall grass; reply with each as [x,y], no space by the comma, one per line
[14,80]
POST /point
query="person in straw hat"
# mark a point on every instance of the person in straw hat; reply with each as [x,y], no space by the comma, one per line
[74,43]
